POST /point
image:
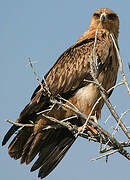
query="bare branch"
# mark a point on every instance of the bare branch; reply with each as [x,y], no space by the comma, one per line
[124,113]
[46,86]
[116,129]
[46,110]
[68,102]
[72,128]
[69,118]
[112,141]
[120,64]
[104,155]
[37,78]
[35,74]
[20,124]
[115,115]
[125,144]
[106,149]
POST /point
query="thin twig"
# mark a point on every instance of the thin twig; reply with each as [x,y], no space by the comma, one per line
[125,144]
[121,65]
[20,124]
[46,110]
[105,155]
[124,113]
[46,86]
[62,123]
[75,110]
[35,74]
[115,115]
[69,118]
[106,149]
[43,87]
[95,59]
[61,98]
[116,128]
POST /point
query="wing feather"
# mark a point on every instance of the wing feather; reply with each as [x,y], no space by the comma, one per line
[73,66]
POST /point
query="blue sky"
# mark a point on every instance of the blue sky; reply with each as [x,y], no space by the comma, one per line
[43,30]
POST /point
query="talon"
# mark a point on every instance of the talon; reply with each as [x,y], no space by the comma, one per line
[92,129]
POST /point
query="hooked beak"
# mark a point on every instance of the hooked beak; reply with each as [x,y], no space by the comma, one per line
[103,18]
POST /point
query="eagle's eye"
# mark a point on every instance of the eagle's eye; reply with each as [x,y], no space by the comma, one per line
[96,15]
[111,16]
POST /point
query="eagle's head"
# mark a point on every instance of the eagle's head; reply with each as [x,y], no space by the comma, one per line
[105,18]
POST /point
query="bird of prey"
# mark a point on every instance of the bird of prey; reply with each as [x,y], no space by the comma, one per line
[66,79]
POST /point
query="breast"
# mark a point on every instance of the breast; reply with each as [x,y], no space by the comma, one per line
[86,97]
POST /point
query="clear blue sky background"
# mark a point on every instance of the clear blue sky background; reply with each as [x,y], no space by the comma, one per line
[42,30]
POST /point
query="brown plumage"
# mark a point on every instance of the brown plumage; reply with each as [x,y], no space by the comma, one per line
[66,78]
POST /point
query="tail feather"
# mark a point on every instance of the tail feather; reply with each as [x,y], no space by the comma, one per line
[35,146]
[50,145]
[26,149]
[47,148]
[56,156]
[15,148]
[11,131]
[51,155]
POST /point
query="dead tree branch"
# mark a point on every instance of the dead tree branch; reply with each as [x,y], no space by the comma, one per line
[107,137]
[105,155]
[35,74]
[20,124]
[43,87]
[121,65]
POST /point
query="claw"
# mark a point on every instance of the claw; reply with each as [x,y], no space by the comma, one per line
[92,129]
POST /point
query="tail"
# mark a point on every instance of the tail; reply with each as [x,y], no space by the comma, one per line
[51,146]
[51,155]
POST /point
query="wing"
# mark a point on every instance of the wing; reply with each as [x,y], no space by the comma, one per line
[69,70]
[73,66]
